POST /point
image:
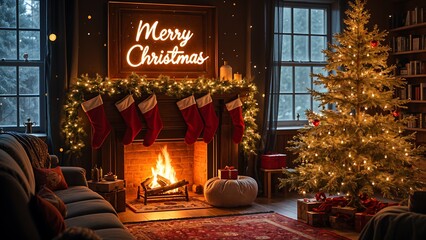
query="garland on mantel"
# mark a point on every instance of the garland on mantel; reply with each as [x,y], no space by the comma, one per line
[138,86]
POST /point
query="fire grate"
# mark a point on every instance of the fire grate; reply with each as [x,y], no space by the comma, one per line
[166,190]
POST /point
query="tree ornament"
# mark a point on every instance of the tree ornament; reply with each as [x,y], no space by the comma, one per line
[395,113]
[374,43]
[316,122]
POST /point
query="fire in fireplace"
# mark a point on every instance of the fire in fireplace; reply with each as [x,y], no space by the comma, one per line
[163,182]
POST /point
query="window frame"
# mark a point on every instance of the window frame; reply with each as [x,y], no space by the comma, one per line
[293,64]
[40,64]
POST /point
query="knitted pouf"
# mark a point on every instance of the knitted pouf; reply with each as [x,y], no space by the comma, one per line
[230,192]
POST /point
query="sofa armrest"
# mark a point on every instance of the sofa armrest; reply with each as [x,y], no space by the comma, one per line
[74,176]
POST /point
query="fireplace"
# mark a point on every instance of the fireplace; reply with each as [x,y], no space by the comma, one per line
[188,162]
[220,152]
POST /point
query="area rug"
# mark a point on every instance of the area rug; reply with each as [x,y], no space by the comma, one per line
[253,226]
[170,205]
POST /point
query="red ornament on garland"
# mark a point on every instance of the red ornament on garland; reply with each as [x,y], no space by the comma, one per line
[374,43]
[316,122]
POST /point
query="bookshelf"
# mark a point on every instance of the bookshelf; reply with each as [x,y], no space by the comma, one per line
[408,42]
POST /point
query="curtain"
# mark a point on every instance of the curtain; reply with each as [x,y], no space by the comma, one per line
[61,67]
[274,24]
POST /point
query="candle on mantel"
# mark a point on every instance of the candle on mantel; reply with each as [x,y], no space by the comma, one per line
[238,76]
[225,72]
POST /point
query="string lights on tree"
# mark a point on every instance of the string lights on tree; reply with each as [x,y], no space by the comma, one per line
[73,127]
[358,148]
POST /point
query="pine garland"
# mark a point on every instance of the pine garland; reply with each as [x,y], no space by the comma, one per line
[138,86]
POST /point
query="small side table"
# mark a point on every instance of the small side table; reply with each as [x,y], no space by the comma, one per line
[267,179]
[113,191]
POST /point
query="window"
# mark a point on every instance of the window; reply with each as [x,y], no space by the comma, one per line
[305,33]
[22,40]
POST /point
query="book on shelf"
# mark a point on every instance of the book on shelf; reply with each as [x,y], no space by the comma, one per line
[410,17]
[414,16]
[414,67]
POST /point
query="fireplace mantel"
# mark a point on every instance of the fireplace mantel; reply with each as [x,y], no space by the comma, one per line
[221,150]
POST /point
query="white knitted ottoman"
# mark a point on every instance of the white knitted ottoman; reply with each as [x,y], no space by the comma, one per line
[230,192]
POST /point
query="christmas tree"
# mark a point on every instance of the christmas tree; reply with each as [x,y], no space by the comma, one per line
[355,144]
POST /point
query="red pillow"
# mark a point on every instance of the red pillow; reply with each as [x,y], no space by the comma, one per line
[51,178]
[48,219]
[51,197]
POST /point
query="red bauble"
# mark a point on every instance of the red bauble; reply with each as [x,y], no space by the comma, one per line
[374,43]
[316,122]
[395,113]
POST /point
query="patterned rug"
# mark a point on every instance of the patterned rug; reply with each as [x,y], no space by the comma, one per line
[253,226]
[170,205]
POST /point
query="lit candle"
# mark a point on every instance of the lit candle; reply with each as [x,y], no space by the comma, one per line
[238,76]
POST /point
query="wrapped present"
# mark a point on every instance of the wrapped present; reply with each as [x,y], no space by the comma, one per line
[349,211]
[273,161]
[305,205]
[228,173]
[341,222]
[317,219]
[361,220]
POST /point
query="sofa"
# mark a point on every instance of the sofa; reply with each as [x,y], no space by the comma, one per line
[397,222]
[26,215]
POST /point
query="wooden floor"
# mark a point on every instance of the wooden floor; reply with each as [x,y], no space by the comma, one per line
[282,203]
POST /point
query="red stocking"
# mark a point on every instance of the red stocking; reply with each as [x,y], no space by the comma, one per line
[236,112]
[94,110]
[211,122]
[193,120]
[127,109]
[149,109]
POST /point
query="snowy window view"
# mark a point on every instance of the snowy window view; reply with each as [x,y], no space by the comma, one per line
[21,62]
[305,33]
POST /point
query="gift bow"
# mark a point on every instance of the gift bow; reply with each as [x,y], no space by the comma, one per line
[229,168]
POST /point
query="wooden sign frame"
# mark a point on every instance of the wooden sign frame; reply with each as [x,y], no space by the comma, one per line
[161,39]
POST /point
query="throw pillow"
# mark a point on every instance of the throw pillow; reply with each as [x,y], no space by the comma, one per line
[52,198]
[52,178]
[48,219]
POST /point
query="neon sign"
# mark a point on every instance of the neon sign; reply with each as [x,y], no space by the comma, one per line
[173,56]
[151,39]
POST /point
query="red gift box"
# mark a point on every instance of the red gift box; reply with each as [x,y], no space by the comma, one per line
[228,173]
[273,161]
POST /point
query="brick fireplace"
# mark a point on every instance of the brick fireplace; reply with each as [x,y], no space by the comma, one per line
[189,161]
[221,151]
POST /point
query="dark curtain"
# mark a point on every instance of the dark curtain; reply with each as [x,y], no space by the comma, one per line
[274,24]
[61,67]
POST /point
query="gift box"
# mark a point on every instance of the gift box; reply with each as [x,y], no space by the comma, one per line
[317,219]
[305,205]
[349,211]
[341,223]
[361,219]
[228,173]
[273,161]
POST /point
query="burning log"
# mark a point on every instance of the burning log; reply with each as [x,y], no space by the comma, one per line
[147,181]
[159,190]
[163,181]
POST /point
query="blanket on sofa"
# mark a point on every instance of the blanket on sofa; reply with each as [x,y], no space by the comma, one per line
[35,148]
[395,222]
